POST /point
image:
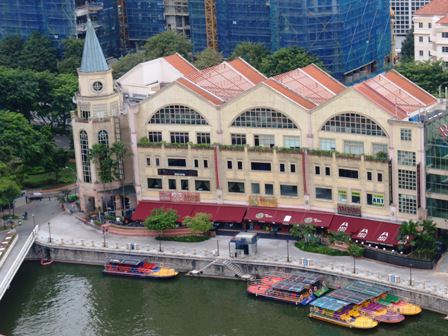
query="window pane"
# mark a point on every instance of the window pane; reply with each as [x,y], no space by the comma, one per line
[354,124]
[264,140]
[348,173]
[291,141]
[236,187]
[263,118]
[184,184]
[155,136]
[353,147]
[172,184]
[177,115]
[407,203]
[238,139]
[406,158]
[255,188]
[179,137]
[269,189]
[288,190]
[154,183]
[177,162]
[324,193]
[327,144]
[379,148]
[202,185]
[203,138]
[260,166]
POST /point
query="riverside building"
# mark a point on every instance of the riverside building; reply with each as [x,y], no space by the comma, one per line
[296,147]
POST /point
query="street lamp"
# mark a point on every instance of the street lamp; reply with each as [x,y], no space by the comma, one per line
[287,249]
[410,274]
[160,244]
[217,246]
[354,265]
[104,237]
[49,233]
[34,220]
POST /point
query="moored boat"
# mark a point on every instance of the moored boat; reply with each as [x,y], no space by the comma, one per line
[398,305]
[297,288]
[138,268]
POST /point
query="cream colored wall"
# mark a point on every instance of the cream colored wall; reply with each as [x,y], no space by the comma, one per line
[86,79]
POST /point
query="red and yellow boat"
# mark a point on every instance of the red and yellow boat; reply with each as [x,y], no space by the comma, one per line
[137,268]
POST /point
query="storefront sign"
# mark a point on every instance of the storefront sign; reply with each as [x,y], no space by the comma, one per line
[266,201]
[378,200]
[177,196]
[177,172]
[350,210]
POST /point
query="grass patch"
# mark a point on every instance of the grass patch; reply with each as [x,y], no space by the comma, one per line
[38,178]
[322,249]
[185,239]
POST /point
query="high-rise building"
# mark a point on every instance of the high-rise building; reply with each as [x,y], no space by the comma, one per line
[352,37]
[403,11]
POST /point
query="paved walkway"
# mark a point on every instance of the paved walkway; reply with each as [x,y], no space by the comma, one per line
[73,232]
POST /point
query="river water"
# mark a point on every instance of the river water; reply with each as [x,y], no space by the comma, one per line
[78,300]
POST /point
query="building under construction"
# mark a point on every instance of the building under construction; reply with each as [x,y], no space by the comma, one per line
[352,37]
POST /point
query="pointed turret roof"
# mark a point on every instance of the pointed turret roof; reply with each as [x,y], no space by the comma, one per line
[93,59]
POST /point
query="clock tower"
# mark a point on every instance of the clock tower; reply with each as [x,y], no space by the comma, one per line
[97,120]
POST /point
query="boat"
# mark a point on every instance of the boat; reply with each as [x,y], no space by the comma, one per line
[137,268]
[46,262]
[340,313]
[398,305]
[298,288]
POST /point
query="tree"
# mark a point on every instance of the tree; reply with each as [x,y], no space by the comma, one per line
[9,191]
[101,155]
[38,53]
[430,75]
[200,223]
[71,60]
[408,231]
[127,62]
[207,58]
[407,48]
[120,152]
[251,52]
[55,158]
[161,220]
[286,59]
[60,99]
[167,43]
[355,250]
[10,50]
[304,232]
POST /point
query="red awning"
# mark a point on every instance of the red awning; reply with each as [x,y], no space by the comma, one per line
[230,214]
[288,217]
[259,214]
[348,225]
[318,219]
[144,209]
[387,234]
[211,209]
[367,230]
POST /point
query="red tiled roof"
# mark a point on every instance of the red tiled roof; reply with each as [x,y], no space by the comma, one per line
[324,78]
[181,64]
[195,88]
[381,101]
[247,70]
[443,20]
[290,94]
[435,7]
[410,87]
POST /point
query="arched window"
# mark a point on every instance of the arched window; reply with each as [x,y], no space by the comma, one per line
[261,117]
[354,124]
[85,161]
[103,138]
[177,114]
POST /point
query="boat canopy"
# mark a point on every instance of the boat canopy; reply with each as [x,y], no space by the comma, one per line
[350,296]
[297,282]
[126,261]
[367,288]
[329,303]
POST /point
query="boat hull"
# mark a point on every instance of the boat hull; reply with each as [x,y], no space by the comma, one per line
[342,323]
[141,275]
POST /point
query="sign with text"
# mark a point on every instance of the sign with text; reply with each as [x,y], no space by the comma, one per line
[177,196]
[177,172]
[265,201]
[350,210]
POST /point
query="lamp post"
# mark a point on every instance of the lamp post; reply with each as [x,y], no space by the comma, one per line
[354,265]
[49,233]
[160,243]
[287,249]
[410,274]
[104,238]
[217,247]
[34,219]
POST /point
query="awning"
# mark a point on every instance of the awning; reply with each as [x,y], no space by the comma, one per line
[348,225]
[387,234]
[288,217]
[230,214]
[211,209]
[144,209]
[318,219]
[367,230]
[259,214]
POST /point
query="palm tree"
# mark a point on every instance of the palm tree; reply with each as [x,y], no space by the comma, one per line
[120,152]
[100,154]
[408,232]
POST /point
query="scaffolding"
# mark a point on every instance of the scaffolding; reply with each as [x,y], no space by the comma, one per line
[210,24]
[351,37]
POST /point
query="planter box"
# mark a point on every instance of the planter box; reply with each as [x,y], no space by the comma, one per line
[399,260]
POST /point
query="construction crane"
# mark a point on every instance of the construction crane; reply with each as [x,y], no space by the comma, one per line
[123,24]
[210,24]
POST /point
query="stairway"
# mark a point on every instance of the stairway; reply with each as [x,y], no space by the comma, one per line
[236,269]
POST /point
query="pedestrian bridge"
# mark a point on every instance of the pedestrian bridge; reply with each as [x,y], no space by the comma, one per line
[15,257]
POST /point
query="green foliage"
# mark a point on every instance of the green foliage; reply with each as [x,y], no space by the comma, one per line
[120,153]
[126,63]
[407,48]
[286,59]
[10,50]
[161,220]
[185,239]
[252,53]
[317,248]
[101,155]
[355,250]
[167,43]
[71,61]
[419,237]
[305,232]
[200,223]
[339,237]
[38,53]
[430,75]
[9,190]
[207,58]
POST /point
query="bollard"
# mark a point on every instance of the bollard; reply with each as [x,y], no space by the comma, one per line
[82,242]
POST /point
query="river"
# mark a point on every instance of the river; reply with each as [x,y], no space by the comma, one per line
[78,300]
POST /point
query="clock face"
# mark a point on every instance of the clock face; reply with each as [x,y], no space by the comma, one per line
[97,86]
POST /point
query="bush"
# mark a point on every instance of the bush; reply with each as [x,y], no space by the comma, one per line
[184,239]
[317,248]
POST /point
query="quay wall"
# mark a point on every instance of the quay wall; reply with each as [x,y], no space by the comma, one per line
[185,263]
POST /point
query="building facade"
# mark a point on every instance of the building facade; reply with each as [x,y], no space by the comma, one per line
[431,32]
[403,12]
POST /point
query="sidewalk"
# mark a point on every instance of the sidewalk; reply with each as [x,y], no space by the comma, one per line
[72,232]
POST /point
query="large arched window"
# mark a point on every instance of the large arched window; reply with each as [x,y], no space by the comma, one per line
[103,138]
[177,114]
[85,160]
[354,124]
[261,117]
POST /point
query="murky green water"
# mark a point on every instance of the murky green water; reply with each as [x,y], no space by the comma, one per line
[78,300]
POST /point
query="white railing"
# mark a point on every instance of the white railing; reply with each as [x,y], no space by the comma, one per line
[6,281]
